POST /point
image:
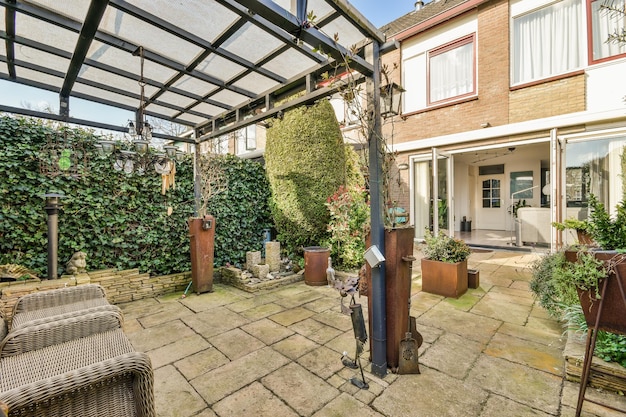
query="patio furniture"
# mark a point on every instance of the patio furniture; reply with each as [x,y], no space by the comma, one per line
[95,376]
[45,306]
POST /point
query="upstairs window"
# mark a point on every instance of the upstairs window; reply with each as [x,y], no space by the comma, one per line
[548,41]
[451,71]
[246,139]
[604,23]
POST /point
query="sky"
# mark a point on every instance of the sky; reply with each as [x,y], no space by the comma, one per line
[379,12]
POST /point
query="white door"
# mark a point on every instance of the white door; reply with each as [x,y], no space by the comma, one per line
[491,211]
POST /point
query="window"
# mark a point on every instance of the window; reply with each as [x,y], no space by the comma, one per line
[451,71]
[547,42]
[246,139]
[491,193]
[604,23]
[522,184]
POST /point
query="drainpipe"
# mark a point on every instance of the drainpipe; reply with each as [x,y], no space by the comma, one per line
[379,313]
[52,208]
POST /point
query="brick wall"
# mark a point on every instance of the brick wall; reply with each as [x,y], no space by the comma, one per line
[566,95]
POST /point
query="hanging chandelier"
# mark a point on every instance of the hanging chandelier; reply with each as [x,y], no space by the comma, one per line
[139,157]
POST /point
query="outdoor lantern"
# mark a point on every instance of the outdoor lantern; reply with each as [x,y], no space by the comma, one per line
[141,134]
[390,100]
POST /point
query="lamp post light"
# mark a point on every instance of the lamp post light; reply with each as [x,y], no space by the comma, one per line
[390,100]
[53,205]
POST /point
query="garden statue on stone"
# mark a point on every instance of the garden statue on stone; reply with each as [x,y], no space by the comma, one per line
[77,264]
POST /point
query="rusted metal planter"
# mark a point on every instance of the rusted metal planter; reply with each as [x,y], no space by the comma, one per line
[398,245]
[444,278]
[315,265]
[202,248]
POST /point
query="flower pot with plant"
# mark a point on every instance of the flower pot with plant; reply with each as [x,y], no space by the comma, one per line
[444,266]
[581,227]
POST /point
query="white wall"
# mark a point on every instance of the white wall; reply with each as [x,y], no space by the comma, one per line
[605,86]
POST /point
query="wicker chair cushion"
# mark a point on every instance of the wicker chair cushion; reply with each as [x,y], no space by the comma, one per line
[52,298]
[45,315]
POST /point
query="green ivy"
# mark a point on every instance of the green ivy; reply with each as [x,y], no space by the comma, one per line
[120,221]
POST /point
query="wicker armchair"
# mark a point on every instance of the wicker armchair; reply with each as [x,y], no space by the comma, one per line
[51,305]
[79,366]
[95,376]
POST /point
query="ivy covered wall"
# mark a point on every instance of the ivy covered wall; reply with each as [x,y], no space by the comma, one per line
[120,221]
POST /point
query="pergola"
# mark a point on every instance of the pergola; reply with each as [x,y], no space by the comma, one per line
[214,66]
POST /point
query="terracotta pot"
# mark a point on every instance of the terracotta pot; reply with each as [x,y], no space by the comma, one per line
[444,278]
[315,265]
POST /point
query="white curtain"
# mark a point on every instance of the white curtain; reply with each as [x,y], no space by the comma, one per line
[603,24]
[548,42]
[452,73]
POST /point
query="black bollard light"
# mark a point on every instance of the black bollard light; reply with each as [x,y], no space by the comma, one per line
[53,205]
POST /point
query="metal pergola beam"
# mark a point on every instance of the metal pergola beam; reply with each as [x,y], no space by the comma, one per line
[84,122]
[85,37]
[301,30]
[9,17]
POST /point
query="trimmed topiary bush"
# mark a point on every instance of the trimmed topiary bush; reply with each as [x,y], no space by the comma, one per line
[305,163]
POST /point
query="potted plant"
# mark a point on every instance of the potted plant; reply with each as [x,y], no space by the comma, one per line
[444,266]
[581,227]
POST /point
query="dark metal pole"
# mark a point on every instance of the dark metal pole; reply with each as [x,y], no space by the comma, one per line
[379,312]
[52,208]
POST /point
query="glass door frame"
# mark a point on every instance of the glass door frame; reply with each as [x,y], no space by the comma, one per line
[438,154]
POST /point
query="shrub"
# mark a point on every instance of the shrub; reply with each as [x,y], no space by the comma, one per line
[305,163]
[544,286]
[444,248]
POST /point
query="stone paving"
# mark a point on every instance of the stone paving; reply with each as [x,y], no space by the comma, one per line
[493,352]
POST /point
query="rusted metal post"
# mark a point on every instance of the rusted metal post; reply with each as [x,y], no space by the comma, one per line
[53,206]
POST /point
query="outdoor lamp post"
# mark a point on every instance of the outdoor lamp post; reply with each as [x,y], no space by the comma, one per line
[53,205]
[390,100]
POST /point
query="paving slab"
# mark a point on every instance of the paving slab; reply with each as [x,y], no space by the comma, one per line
[176,397]
[527,386]
[236,343]
[316,331]
[253,400]
[262,311]
[291,316]
[220,296]
[201,362]
[295,346]
[225,380]
[268,331]
[433,394]
[177,350]
[452,355]
[151,338]
[531,354]
[471,326]
[346,405]
[496,405]
[304,391]
[215,321]
[322,361]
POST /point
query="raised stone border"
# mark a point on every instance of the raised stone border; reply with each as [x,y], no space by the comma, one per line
[119,286]
[232,276]
[604,375]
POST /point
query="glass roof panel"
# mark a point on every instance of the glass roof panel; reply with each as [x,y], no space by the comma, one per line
[205,19]
[229,97]
[209,109]
[220,68]
[44,59]
[118,58]
[75,9]
[194,85]
[39,77]
[319,8]
[166,111]
[251,42]
[106,95]
[106,78]
[176,99]
[38,30]
[140,33]
[191,118]
[289,64]
[256,83]
[348,34]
